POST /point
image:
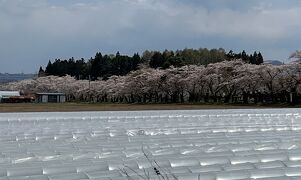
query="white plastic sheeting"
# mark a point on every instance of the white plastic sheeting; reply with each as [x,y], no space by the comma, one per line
[204,144]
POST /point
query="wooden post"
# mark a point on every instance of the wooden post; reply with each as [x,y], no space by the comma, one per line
[89,88]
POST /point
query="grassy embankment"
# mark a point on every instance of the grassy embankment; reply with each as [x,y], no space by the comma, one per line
[70,107]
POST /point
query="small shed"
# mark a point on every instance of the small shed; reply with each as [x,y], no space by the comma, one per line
[50,97]
[8,94]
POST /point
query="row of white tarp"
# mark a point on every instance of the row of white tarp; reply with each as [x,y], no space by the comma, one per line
[184,145]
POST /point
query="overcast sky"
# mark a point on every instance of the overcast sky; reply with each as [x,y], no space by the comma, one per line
[34,31]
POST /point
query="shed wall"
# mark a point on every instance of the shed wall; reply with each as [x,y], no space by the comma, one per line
[44,98]
[62,99]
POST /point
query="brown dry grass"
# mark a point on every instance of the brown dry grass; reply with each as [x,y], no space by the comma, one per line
[70,107]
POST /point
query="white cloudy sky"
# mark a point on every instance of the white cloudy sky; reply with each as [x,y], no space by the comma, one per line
[34,31]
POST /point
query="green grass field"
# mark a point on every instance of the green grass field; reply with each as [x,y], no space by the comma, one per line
[69,107]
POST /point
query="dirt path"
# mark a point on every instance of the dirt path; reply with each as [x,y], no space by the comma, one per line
[70,107]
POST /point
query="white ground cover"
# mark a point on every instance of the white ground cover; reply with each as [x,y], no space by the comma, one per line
[185,145]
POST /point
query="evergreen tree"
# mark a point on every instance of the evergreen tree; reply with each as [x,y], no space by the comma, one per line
[230,55]
[244,56]
[252,59]
[136,60]
[157,60]
[49,68]
[96,66]
[41,72]
[259,59]
[175,61]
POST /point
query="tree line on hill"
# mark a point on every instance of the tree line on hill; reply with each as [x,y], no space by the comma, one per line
[99,66]
[256,58]
[105,66]
[224,82]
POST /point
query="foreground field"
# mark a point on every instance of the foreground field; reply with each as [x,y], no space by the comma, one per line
[71,107]
[182,145]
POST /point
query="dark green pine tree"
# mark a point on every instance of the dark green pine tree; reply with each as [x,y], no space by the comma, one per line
[96,66]
[251,59]
[41,72]
[230,55]
[136,60]
[117,64]
[157,60]
[259,59]
[244,56]
[49,68]
[254,59]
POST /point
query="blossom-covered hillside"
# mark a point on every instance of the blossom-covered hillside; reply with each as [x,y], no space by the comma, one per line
[227,81]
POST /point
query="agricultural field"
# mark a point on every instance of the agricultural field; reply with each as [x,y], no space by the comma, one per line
[153,144]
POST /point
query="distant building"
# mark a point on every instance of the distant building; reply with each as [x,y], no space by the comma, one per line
[8,94]
[50,97]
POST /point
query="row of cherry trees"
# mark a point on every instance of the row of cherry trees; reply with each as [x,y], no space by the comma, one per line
[227,81]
